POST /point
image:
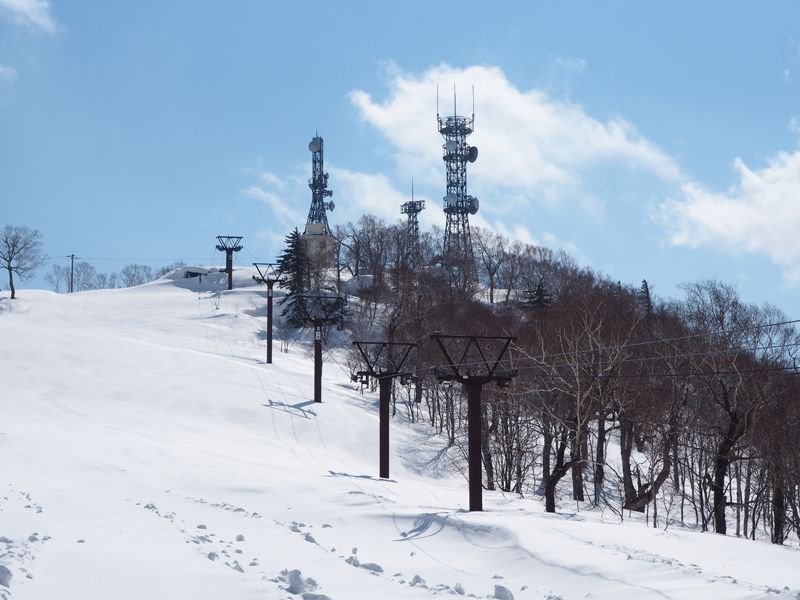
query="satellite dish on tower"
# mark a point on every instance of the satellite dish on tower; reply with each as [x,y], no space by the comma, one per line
[331,205]
[472,155]
[451,146]
[450,199]
[315,145]
[473,206]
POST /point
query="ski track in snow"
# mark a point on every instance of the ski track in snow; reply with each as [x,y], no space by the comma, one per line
[18,554]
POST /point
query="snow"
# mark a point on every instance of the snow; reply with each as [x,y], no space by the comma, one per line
[147,451]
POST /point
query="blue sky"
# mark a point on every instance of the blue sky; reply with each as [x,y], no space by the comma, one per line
[657,141]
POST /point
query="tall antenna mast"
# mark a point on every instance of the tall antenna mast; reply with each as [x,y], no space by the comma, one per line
[317,223]
[412,208]
[317,239]
[473,106]
[458,204]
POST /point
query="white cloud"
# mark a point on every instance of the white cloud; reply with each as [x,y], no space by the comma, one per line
[561,71]
[354,194]
[793,56]
[760,214]
[29,13]
[367,193]
[794,125]
[7,73]
[531,145]
[271,190]
[568,64]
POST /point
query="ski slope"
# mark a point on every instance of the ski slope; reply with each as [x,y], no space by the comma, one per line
[147,452]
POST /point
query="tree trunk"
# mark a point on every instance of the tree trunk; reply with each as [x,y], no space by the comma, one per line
[738,472]
[559,471]
[720,470]
[518,454]
[647,496]
[676,478]
[600,457]
[485,450]
[747,477]
[546,450]
[778,514]
[11,282]
[721,464]
[795,515]
[625,449]
[577,462]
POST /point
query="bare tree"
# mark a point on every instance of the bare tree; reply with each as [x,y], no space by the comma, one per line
[105,281]
[20,252]
[166,269]
[492,253]
[85,277]
[133,274]
[58,278]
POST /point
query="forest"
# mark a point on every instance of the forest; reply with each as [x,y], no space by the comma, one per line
[683,409]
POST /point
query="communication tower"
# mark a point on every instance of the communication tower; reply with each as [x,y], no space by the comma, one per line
[317,237]
[458,204]
[412,208]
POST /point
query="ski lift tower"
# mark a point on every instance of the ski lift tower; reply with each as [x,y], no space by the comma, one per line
[229,244]
[317,237]
[458,204]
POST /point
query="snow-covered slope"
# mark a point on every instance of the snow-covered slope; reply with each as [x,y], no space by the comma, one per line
[146,451]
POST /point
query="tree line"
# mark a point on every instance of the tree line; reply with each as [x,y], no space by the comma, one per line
[682,409]
[21,254]
[84,276]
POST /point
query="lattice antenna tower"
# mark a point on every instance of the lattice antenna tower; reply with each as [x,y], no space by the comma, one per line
[317,223]
[458,204]
[412,208]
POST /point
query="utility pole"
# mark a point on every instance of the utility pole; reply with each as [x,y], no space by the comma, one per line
[474,368]
[72,258]
[269,274]
[384,361]
[229,244]
[320,311]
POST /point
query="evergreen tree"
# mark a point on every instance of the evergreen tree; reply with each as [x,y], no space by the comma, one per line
[293,266]
[539,296]
[645,302]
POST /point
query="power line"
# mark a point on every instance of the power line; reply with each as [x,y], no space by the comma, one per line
[637,359]
[120,259]
[683,337]
[678,356]
[676,375]
[660,341]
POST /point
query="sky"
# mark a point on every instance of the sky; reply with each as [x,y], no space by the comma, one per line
[649,140]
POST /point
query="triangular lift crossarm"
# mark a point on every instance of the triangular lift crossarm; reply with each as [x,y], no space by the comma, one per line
[319,311]
[229,244]
[473,376]
[320,308]
[268,273]
[489,366]
[383,364]
[382,361]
